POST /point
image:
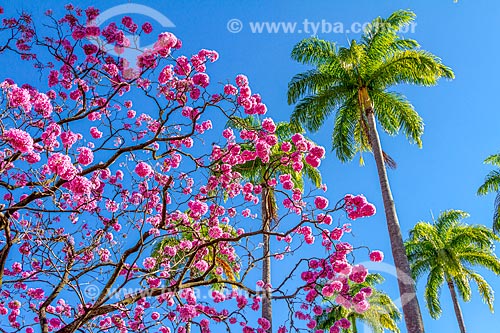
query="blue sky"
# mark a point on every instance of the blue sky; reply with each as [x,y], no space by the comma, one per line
[461,116]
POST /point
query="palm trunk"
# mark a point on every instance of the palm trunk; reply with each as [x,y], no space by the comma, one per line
[267,311]
[353,325]
[411,309]
[456,306]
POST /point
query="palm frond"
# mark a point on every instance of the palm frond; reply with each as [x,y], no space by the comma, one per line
[314,51]
[313,174]
[448,219]
[484,259]
[411,67]
[485,290]
[343,141]
[491,183]
[496,215]
[313,110]
[493,160]
[463,286]
[309,82]
[432,292]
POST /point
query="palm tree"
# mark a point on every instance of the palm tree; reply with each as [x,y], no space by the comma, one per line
[354,81]
[259,173]
[382,314]
[447,250]
[492,184]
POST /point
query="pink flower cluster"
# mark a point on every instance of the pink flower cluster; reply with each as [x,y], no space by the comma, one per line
[19,97]
[19,140]
[376,256]
[86,156]
[252,104]
[61,165]
[142,169]
[357,206]
[321,202]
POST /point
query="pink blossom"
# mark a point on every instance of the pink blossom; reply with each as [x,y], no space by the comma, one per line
[149,263]
[336,233]
[318,310]
[241,80]
[343,323]
[215,232]
[241,301]
[318,151]
[142,169]
[358,274]
[357,206]
[69,139]
[80,186]
[202,265]
[361,306]
[42,105]
[37,293]
[61,165]
[229,89]
[19,97]
[86,156]
[264,323]
[198,208]
[268,125]
[312,160]
[376,256]
[19,140]
[321,202]
[286,146]
[147,28]
[96,134]
[201,79]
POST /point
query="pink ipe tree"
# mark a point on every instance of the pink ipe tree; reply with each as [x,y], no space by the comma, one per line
[119,214]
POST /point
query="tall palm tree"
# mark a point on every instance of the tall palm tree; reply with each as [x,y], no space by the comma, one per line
[382,314]
[447,250]
[354,82]
[492,184]
[259,173]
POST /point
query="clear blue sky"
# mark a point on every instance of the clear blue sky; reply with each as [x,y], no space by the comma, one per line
[462,117]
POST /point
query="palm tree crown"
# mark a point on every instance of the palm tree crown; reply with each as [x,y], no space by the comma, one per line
[492,184]
[343,76]
[448,251]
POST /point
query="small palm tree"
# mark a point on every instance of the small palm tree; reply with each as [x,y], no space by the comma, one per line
[447,250]
[259,173]
[354,82]
[382,314]
[492,184]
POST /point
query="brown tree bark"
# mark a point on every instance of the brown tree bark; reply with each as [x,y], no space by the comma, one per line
[411,308]
[267,215]
[456,306]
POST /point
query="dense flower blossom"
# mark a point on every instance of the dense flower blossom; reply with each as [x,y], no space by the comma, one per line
[19,97]
[142,169]
[69,139]
[96,134]
[62,166]
[376,256]
[152,207]
[42,105]
[321,202]
[19,140]
[358,206]
[86,156]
